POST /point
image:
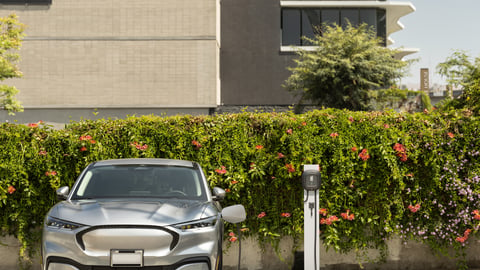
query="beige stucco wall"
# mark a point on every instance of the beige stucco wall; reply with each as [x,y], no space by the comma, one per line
[118,53]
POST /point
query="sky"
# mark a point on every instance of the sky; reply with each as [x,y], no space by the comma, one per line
[438,28]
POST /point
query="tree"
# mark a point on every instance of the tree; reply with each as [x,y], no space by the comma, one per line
[11,34]
[460,71]
[346,64]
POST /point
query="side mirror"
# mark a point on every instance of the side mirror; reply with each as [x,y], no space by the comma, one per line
[234,214]
[62,193]
[218,194]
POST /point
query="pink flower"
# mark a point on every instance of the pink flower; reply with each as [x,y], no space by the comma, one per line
[451,135]
[280,155]
[351,119]
[32,125]
[385,126]
[42,153]
[285,215]
[323,212]
[261,215]
[11,189]
[232,239]
[289,131]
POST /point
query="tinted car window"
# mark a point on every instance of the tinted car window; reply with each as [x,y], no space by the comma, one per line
[136,181]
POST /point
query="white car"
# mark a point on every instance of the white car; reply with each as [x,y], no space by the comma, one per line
[137,214]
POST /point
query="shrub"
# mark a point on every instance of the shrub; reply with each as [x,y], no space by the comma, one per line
[384,173]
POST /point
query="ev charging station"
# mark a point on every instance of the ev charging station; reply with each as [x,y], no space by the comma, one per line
[311,181]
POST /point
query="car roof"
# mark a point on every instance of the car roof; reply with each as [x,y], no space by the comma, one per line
[145,161]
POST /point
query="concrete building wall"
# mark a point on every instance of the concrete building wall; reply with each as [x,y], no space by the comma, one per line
[118,54]
[252,67]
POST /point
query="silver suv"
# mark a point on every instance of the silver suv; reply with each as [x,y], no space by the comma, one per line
[137,214]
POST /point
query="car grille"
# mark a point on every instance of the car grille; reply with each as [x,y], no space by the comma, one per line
[147,238]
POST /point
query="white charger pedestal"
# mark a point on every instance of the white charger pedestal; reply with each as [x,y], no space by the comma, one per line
[311,222]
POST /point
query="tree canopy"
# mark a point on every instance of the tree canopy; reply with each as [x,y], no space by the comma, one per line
[345,65]
[460,71]
[11,34]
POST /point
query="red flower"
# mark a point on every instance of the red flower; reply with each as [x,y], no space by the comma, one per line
[401,152]
[476,214]
[465,236]
[222,170]
[233,239]
[11,189]
[196,144]
[231,234]
[227,190]
[139,146]
[323,212]
[354,149]
[52,173]
[285,215]
[329,220]
[85,138]
[258,147]
[33,125]
[461,239]
[261,215]
[290,168]
[347,215]
[234,182]
[364,154]
[280,155]
[289,131]
[304,123]
[93,141]
[334,135]
[415,208]
[83,148]
[451,135]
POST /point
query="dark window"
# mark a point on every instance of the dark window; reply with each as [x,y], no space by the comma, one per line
[310,24]
[25,2]
[291,33]
[305,22]
[349,15]
[331,16]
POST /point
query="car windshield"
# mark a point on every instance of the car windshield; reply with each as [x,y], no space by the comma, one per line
[140,181]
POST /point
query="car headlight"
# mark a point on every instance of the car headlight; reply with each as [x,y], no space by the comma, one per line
[62,224]
[202,223]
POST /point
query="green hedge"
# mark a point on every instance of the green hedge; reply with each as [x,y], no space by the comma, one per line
[384,174]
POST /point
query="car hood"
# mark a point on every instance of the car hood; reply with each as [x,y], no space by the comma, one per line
[126,212]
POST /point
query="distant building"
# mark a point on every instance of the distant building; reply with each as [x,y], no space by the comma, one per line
[96,59]
[258,39]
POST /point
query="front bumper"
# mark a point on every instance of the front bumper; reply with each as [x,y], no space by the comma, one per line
[162,248]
